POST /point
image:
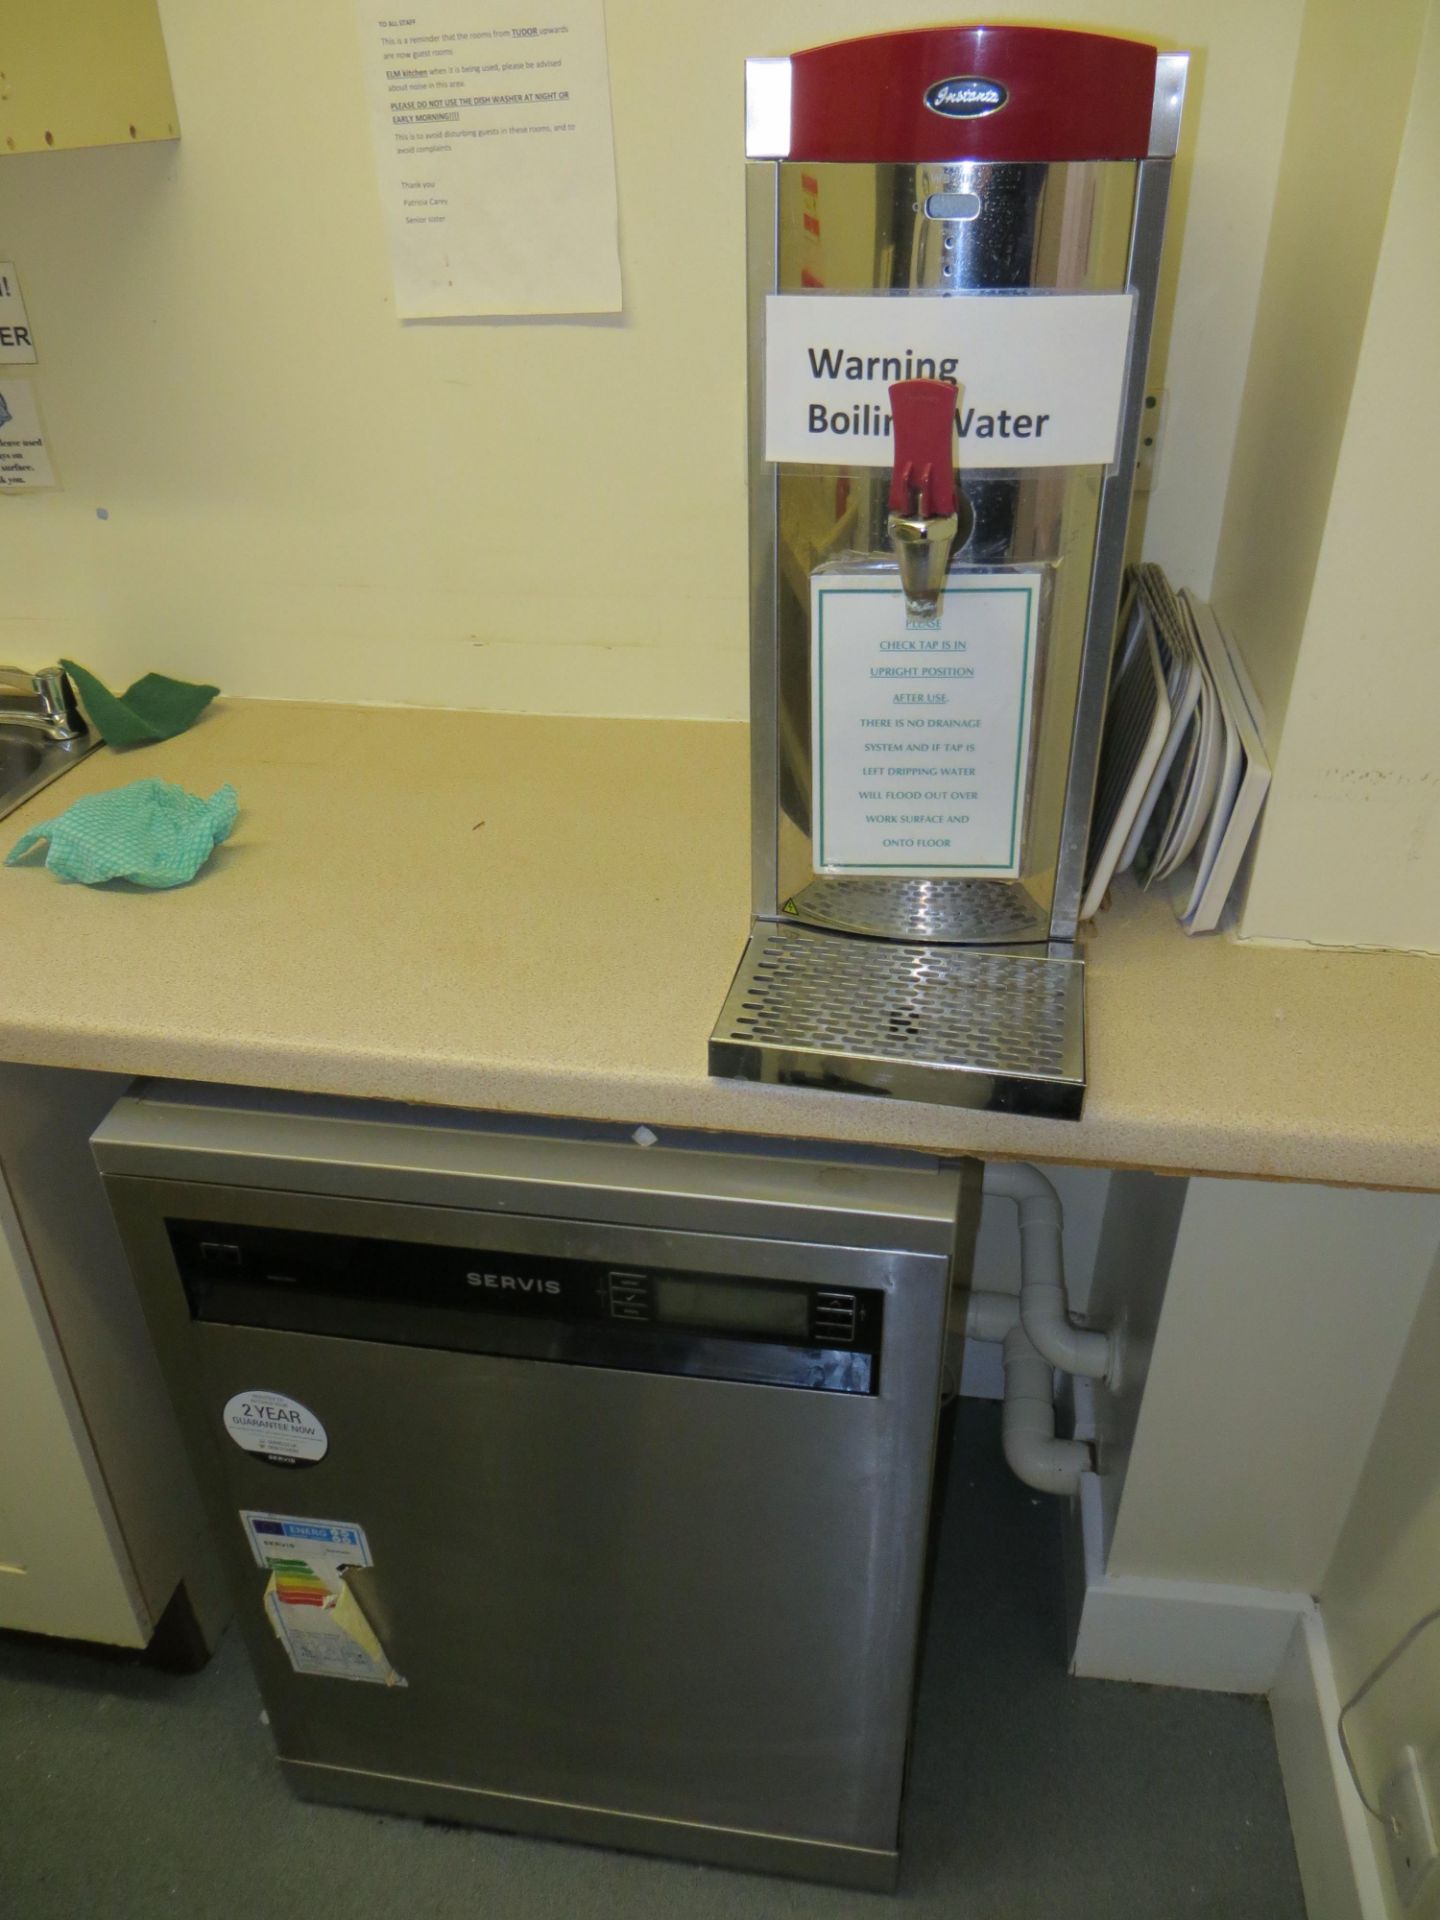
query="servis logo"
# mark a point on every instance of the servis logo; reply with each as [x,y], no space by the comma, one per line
[965,97]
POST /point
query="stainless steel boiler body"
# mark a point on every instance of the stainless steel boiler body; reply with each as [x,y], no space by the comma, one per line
[965,990]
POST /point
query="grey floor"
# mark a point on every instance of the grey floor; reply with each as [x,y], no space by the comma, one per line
[126,1793]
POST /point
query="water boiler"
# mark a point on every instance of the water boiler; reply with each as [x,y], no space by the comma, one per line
[954,241]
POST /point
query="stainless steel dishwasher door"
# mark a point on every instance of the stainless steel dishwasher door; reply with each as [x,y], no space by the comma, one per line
[631,1606]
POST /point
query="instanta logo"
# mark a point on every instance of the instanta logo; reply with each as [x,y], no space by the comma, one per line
[966,97]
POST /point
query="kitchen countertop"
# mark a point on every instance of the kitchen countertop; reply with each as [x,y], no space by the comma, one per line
[543,915]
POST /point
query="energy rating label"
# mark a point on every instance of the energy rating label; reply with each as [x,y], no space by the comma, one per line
[328,1545]
[312,1609]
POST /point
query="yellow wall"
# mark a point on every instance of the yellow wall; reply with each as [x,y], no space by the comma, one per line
[1350,851]
[307,499]
[1355,69]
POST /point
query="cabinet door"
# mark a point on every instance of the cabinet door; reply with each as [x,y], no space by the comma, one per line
[63,1567]
[91,73]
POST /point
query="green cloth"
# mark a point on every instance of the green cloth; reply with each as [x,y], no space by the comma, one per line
[151,832]
[153,709]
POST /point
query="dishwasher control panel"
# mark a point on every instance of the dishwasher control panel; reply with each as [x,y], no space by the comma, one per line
[657,1318]
[755,1308]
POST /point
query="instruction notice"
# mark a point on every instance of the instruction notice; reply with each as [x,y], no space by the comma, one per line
[24,461]
[921,726]
[491,121]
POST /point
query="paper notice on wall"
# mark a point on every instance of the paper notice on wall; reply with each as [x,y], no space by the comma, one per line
[495,153]
[921,726]
[24,461]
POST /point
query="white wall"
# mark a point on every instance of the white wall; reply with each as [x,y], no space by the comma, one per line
[1286,1311]
[1386,1573]
[309,500]
[1350,850]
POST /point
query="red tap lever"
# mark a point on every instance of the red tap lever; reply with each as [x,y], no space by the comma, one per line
[922,481]
[924,515]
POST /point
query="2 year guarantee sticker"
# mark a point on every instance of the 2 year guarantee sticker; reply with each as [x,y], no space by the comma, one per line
[277,1429]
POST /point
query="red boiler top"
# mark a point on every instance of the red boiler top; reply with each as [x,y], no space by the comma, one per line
[973,93]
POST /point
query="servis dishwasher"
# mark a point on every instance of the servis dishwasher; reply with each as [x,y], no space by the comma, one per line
[567,1482]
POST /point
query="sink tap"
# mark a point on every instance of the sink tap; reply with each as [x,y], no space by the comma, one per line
[43,700]
[924,508]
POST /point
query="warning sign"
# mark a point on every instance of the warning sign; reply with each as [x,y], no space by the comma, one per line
[17,344]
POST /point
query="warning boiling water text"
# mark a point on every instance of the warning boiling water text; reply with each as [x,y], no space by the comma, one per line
[1040,376]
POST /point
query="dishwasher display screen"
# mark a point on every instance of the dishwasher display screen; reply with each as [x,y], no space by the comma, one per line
[748,1309]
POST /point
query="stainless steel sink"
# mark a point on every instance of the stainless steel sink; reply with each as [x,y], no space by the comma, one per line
[19,758]
[28,762]
[42,732]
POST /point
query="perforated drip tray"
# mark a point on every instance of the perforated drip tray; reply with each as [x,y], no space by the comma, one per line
[965,912]
[951,1025]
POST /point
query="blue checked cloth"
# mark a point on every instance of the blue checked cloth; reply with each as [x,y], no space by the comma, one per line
[151,832]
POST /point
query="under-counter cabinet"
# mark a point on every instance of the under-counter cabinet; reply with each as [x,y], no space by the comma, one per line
[63,1564]
[101,1536]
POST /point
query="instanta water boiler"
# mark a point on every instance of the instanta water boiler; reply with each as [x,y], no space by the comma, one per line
[954,240]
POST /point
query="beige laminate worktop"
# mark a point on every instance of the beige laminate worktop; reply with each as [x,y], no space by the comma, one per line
[536,914]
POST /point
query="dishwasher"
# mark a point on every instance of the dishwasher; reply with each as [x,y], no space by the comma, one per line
[567,1482]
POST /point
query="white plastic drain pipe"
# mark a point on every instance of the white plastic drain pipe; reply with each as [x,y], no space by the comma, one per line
[1032,1452]
[990,1316]
[1037,1336]
[1044,1311]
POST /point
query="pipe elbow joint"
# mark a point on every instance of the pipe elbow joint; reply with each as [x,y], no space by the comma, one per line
[1019,1181]
[1032,1451]
[1072,1349]
[1044,1308]
[1052,1466]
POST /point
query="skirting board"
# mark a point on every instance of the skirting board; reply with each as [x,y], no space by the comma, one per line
[1196,1633]
[1334,1844]
[1178,1633]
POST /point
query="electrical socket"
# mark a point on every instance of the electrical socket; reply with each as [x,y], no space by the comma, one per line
[1410,1825]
